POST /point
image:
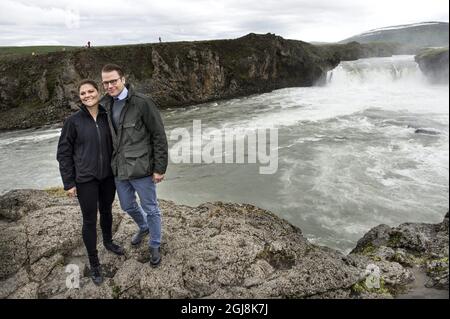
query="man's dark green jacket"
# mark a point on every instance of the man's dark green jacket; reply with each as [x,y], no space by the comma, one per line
[140,143]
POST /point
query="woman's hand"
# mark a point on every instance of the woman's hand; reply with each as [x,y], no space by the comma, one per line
[157,178]
[72,192]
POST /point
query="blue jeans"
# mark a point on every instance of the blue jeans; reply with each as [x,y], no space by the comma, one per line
[147,215]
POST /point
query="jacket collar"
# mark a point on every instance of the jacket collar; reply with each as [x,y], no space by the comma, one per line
[101,109]
[107,100]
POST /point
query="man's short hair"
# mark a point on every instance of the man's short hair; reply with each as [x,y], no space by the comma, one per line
[110,67]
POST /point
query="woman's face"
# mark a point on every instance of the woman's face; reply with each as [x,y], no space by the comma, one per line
[89,95]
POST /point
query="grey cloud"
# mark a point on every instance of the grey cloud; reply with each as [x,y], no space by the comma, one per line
[119,22]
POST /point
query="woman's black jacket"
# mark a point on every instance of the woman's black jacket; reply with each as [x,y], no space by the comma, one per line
[84,148]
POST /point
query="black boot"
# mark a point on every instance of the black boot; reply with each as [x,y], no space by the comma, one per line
[137,238]
[96,272]
[114,248]
[96,275]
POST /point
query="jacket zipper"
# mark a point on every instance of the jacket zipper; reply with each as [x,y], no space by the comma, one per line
[99,149]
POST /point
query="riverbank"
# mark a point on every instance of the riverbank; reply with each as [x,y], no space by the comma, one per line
[214,250]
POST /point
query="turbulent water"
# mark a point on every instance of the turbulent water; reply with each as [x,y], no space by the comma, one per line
[370,147]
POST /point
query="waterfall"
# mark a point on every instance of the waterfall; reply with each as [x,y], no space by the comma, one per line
[381,71]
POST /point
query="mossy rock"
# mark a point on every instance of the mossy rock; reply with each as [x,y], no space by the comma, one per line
[360,288]
[56,191]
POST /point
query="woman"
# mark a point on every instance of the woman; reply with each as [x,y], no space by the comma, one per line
[84,155]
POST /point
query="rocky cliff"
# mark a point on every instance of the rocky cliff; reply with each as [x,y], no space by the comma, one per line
[41,89]
[215,250]
[433,62]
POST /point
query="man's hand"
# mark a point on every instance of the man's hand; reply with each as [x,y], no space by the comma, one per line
[157,178]
[72,192]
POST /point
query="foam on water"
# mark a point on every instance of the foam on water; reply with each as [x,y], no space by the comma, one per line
[17,137]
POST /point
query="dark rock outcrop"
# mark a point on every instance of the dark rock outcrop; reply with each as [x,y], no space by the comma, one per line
[426,131]
[39,90]
[434,63]
[411,245]
[215,250]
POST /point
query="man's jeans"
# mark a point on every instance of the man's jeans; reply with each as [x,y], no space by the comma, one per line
[147,215]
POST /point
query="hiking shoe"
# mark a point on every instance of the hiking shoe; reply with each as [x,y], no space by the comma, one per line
[137,238]
[155,256]
[96,275]
[114,248]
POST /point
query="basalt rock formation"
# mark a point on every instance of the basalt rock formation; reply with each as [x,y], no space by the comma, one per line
[215,250]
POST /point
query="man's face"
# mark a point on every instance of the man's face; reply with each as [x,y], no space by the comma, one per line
[113,83]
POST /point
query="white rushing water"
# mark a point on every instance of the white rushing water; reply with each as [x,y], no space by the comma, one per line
[370,147]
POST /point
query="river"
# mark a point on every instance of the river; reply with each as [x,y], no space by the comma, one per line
[370,147]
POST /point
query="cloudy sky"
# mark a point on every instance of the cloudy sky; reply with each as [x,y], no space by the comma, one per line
[109,22]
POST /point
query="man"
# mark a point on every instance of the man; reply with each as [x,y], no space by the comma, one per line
[140,154]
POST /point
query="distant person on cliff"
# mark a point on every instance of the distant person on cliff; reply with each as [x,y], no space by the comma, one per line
[140,155]
[84,156]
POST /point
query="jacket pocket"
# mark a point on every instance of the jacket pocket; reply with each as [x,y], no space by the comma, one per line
[128,125]
[137,162]
[134,131]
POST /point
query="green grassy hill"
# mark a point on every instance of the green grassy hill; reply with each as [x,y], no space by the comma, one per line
[28,50]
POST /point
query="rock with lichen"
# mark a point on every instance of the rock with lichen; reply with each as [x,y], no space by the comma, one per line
[215,250]
[420,245]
